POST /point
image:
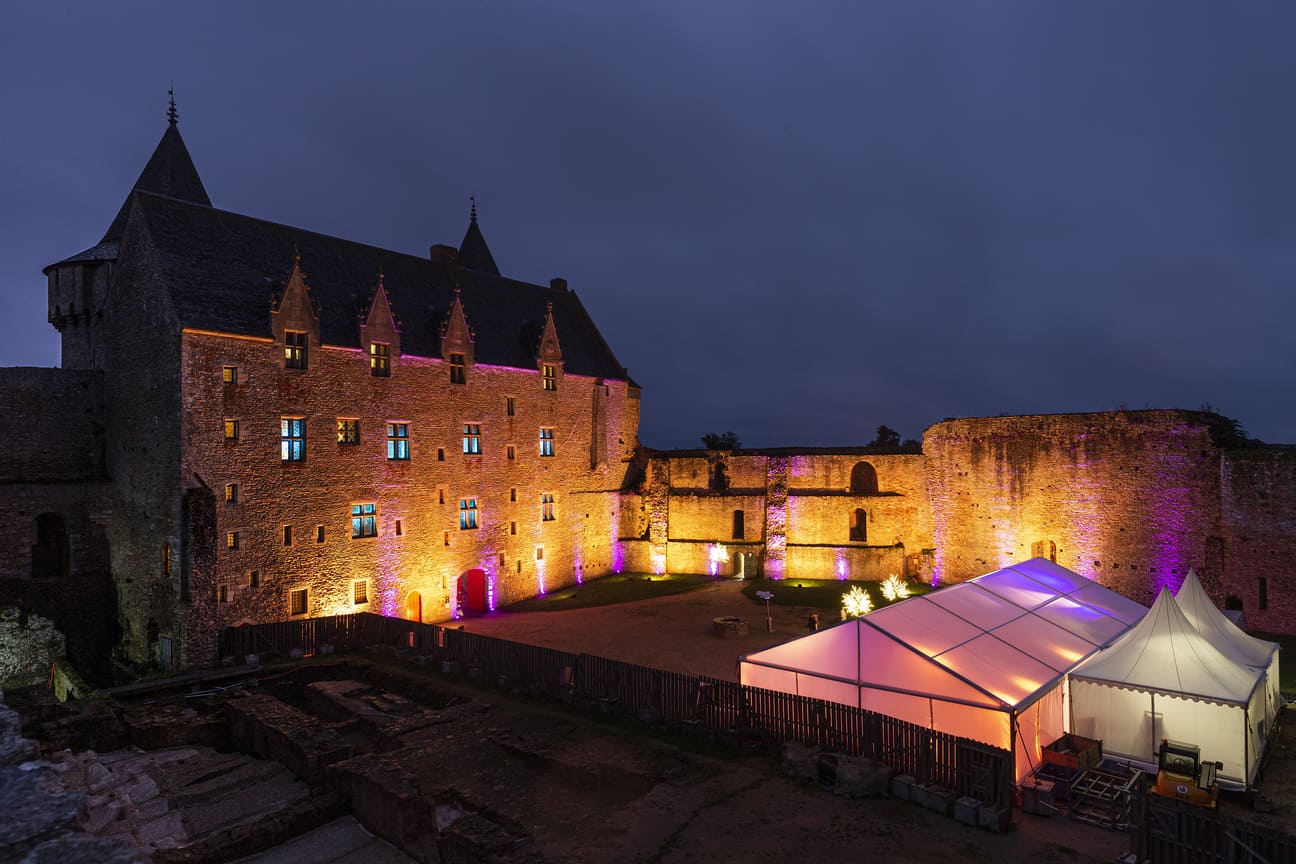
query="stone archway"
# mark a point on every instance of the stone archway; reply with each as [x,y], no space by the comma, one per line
[864,479]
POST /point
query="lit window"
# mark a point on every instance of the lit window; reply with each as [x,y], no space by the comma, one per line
[550,375]
[472,438]
[457,369]
[546,508]
[231,540]
[229,374]
[467,513]
[508,406]
[440,454]
[539,553]
[380,359]
[297,601]
[398,441]
[510,453]
[292,439]
[231,493]
[231,430]
[294,349]
[166,559]
[348,431]
[360,592]
[546,442]
[364,521]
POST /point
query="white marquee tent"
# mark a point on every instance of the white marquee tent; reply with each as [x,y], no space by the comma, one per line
[1164,679]
[1218,630]
[984,659]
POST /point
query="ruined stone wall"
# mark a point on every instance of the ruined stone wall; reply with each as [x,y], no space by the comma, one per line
[419,546]
[1129,499]
[1258,537]
[797,508]
[54,429]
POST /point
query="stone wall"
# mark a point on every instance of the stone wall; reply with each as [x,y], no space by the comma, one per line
[1127,498]
[1257,544]
[419,545]
[54,431]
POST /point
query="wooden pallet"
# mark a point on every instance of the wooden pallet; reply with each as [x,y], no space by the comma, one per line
[1102,795]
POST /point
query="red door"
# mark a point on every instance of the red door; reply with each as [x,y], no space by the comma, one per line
[474,590]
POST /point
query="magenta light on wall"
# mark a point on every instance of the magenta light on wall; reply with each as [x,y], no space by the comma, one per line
[540,579]
[841,565]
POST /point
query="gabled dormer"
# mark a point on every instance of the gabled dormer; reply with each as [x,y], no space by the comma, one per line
[380,333]
[549,360]
[457,342]
[294,320]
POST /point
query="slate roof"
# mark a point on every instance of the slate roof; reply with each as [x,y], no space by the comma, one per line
[170,171]
[224,269]
[473,251]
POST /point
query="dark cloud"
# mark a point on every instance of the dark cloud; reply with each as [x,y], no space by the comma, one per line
[796,221]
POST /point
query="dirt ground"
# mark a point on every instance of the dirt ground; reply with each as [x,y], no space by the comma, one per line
[770,818]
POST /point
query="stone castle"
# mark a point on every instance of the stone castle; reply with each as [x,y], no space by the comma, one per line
[254,422]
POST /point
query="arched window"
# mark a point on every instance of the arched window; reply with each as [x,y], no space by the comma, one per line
[859,526]
[864,479]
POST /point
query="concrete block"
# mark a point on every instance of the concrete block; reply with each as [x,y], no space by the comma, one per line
[902,786]
[939,800]
[994,819]
[967,810]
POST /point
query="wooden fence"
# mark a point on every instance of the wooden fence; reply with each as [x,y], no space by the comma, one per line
[1166,831]
[669,699]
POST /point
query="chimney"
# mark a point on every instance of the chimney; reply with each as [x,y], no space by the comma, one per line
[558,283]
[443,254]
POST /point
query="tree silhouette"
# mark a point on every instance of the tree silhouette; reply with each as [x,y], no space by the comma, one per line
[721,441]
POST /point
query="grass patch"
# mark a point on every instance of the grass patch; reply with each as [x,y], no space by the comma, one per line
[1286,668]
[618,588]
[822,594]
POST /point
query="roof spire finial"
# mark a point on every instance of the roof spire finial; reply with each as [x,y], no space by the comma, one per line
[472,216]
[172,114]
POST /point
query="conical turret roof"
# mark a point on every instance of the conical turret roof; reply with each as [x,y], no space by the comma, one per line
[170,171]
[474,254]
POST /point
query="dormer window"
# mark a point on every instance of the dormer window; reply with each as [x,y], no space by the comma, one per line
[457,375]
[294,349]
[549,373]
[380,359]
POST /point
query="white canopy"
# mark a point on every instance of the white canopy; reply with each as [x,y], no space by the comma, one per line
[983,659]
[1231,641]
[1163,679]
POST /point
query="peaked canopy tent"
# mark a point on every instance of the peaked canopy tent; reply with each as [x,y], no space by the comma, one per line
[985,659]
[1232,642]
[1163,679]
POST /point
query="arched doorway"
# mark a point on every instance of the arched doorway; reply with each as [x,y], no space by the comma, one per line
[472,591]
[413,607]
[864,479]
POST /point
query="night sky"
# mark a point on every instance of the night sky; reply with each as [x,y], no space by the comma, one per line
[796,221]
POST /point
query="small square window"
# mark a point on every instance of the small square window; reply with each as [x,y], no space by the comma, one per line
[510,453]
[380,359]
[364,521]
[254,579]
[231,430]
[348,431]
[445,538]
[319,533]
[457,375]
[467,513]
[546,442]
[231,492]
[232,540]
[398,442]
[550,375]
[287,535]
[297,601]
[360,592]
[229,374]
[292,439]
[294,349]
[513,528]
[222,594]
[472,438]
[440,454]
[501,560]
[441,496]
[519,565]
[509,407]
